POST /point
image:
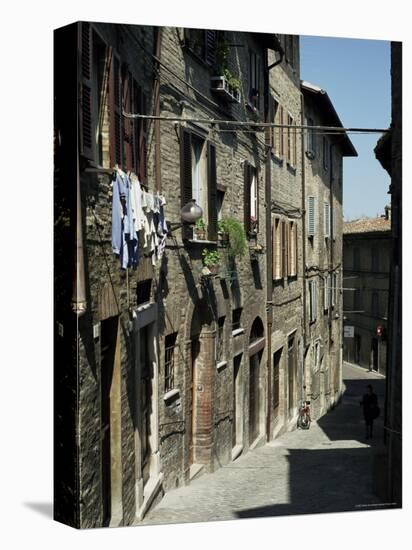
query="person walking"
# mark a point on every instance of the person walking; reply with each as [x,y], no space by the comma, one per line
[370,410]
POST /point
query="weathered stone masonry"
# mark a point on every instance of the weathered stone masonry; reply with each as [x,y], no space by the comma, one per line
[178,373]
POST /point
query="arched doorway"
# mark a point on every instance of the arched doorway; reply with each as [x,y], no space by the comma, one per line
[256,346]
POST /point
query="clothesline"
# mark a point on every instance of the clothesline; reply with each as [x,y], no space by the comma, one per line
[138,220]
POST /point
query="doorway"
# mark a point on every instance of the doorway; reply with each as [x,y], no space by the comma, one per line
[291,374]
[110,430]
[254,396]
[237,407]
[146,394]
[195,350]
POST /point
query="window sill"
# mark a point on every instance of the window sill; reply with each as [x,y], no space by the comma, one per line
[171,395]
[238,331]
[143,307]
[221,365]
[200,241]
[278,159]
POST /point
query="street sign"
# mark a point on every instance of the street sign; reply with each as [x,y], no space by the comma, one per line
[348,331]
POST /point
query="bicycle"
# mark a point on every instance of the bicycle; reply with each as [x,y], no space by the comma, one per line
[304,418]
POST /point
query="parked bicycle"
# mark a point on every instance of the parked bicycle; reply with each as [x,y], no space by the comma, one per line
[304,419]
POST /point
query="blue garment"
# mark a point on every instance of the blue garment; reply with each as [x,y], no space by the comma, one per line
[124,236]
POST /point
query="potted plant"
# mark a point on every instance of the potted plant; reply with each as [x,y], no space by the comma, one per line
[211,260]
[223,234]
[236,236]
[200,230]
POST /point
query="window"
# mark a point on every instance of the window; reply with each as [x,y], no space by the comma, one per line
[220,348]
[326,220]
[220,198]
[170,343]
[293,260]
[202,43]
[313,300]
[375,304]
[100,113]
[291,141]
[251,194]
[285,248]
[143,291]
[325,153]
[236,315]
[276,368]
[198,179]
[310,137]
[375,259]
[278,132]
[254,80]
[356,258]
[311,215]
[277,248]
[357,300]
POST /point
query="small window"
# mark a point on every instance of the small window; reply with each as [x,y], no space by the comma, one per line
[375,304]
[375,259]
[311,215]
[236,315]
[220,347]
[276,374]
[313,300]
[202,43]
[143,291]
[310,138]
[254,80]
[356,258]
[170,344]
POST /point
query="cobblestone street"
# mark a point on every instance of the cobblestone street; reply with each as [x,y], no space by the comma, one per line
[325,469]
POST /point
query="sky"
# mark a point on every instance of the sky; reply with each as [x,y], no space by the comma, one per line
[356,75]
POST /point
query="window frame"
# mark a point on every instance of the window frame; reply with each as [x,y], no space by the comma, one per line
[169,361]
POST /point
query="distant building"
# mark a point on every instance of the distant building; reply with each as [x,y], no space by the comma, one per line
[366,266]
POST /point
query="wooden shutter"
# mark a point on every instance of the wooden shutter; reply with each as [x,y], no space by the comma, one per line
[116,130]
[210,47]
[334,223]
[87,146]
[256,197]
[128,140]
[212,191]
[285,134]
[325,293]
[185,174]
[311,216]
[276,249]
[246,197]
[292,249]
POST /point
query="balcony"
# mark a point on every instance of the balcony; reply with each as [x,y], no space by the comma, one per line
[222,86]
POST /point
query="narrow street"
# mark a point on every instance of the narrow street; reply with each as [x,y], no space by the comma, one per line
[325,469]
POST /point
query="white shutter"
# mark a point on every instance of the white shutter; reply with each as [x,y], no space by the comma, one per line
[311,216]
[326,219]
[313,302]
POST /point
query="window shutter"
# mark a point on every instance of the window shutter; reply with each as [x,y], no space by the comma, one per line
[311,216]
[275,260]
[212,192]
[185,174]
[334,223]
[326,293]
[87,148]
[116,132]
[257,198]
[285,134]
[210,41]
[127,123]
[315,300]
[288,248]
[326,219]
[270,131]
[246,198]
[292,248]
[142,143]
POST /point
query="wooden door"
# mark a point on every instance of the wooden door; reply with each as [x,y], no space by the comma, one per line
[254,403]
[146,377]
[195,349]
[236,411]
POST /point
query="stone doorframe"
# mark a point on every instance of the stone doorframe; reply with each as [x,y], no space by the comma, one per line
[146,316]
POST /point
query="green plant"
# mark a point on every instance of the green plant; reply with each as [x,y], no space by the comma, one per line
[237,236]
[200,224]
[234,83]
[211,258]
[222,53]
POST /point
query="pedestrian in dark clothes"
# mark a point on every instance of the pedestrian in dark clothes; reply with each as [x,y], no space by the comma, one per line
[370,410]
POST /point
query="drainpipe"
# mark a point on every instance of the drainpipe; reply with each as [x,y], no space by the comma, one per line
[302,109]
[158,176]
[268,201]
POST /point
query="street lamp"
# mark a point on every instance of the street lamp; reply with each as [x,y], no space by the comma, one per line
[189,214]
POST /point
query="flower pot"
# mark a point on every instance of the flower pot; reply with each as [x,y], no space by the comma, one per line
[214,269]
[199,234]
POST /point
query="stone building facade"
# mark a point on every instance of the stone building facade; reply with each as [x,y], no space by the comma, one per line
[367,248]
[179,372]
[322,242]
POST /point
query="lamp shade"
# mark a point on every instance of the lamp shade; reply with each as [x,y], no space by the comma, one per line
[191,212]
